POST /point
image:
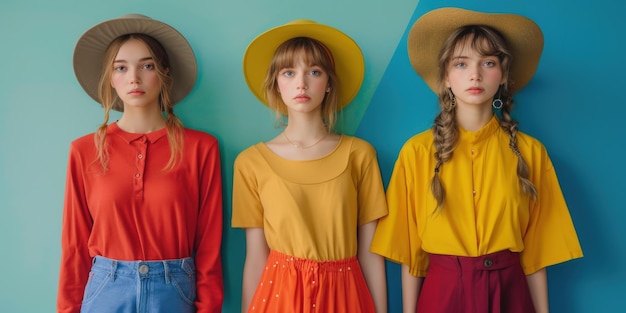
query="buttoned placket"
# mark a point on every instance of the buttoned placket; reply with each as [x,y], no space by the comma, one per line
[476,155]
[473,153]
[141,147]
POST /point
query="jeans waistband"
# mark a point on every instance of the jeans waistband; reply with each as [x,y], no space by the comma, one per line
[144,268]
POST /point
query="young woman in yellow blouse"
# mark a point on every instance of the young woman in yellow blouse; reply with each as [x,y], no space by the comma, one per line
[309,198]
[475,206]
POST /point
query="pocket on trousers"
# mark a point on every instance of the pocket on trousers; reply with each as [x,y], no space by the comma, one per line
[185,284]
[95,284]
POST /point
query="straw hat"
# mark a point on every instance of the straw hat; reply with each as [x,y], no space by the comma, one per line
[91,46]
[349,62]
[430,31]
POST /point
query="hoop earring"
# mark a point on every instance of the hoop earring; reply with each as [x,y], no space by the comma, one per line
[497,102]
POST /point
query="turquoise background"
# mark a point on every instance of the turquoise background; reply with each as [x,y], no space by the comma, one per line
[574,105]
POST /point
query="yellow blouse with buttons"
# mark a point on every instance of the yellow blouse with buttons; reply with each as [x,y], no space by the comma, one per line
[484,211]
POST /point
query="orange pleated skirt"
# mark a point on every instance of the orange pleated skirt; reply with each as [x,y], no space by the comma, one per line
[291,285]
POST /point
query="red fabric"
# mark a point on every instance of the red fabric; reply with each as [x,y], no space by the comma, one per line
[139,211]
[296,285]
[493,283]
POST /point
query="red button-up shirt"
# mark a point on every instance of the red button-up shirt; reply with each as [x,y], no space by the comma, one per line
[138,210]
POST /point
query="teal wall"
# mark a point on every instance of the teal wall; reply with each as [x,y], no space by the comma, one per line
[574,105]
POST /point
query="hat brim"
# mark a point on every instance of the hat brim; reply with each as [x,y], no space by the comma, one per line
[91,46]
[428,34]
[349,61]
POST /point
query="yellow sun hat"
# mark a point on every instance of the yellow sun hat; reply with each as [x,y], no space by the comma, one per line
[348,58]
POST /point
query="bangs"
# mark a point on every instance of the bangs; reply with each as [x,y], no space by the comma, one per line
[480,42]
[310,51]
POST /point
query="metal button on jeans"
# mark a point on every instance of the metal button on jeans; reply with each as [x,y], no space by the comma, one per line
[487,262]
[143,269]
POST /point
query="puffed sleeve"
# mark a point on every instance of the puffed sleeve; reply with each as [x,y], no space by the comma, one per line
[396,237]
[76,229]
[550,237]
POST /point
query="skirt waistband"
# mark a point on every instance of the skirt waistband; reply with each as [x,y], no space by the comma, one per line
[145,268]
[488,262]
[276,258]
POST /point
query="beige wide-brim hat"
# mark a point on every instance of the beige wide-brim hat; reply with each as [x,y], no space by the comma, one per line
[348,58]
[430,31]
[91,46]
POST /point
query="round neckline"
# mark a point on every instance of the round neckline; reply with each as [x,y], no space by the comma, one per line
[274,154]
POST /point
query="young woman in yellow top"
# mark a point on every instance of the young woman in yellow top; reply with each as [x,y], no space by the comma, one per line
[308,198]
[475,206]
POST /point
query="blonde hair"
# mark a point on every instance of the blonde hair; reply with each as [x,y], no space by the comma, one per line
[109,99]
[314,53]
[486,41]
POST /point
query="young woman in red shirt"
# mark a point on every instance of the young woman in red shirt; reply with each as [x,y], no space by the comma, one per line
[142,222]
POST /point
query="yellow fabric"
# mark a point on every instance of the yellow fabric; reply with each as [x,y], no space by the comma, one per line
[485,210]
[309,209]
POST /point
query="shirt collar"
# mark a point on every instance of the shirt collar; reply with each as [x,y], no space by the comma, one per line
[151,137]
[485,132]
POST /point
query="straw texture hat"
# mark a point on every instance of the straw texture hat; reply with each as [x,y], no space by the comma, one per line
[430,31]
[91,46]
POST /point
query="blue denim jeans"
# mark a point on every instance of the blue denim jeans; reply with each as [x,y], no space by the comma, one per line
[140,287]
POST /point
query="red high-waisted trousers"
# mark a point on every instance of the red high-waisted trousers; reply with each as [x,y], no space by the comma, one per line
[493,283]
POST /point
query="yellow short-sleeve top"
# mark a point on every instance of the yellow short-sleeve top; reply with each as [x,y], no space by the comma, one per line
[484,210]
[309,209]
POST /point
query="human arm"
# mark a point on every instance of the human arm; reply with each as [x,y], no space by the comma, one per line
[248,213]
[257,252]
[538,285]
[550,237]
[397,236]
[373,266]
[411,286]
[210,295]
[76,229]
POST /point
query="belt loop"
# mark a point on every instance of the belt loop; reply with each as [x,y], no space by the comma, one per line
[185,266]
[113,269]
[188,266]
[460,264]
[167,272]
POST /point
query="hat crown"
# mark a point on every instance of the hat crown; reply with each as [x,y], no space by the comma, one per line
[301,22]
[135,16]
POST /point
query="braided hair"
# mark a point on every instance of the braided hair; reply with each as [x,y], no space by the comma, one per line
[486,41]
